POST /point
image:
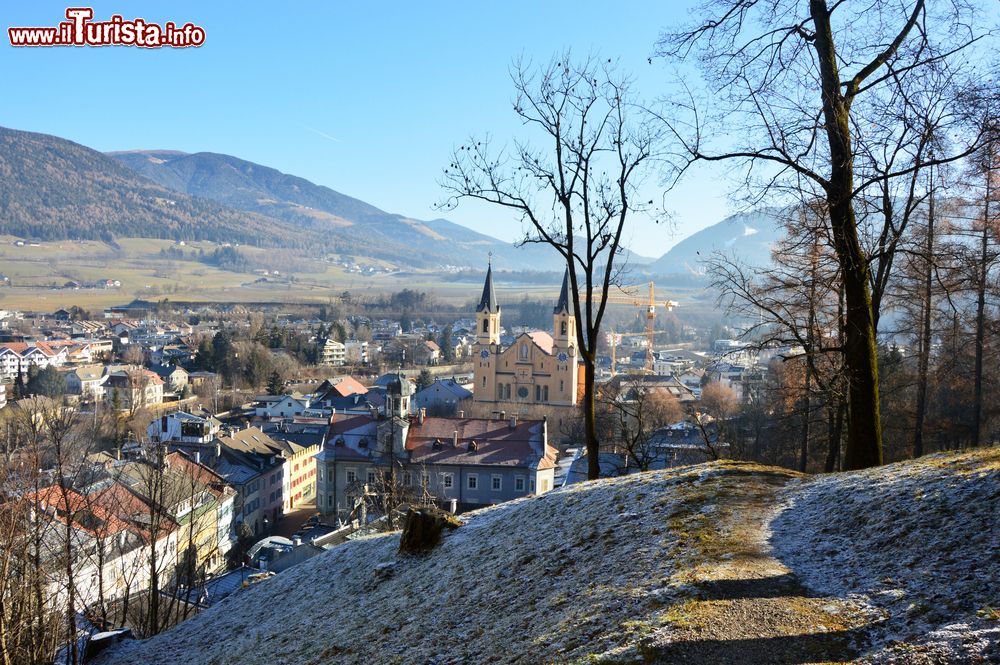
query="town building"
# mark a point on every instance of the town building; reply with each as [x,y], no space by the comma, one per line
[536,374]
[474,462]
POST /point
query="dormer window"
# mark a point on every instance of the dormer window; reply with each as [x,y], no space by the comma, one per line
[339,442]
[436,445]
[363,443]
[473,446]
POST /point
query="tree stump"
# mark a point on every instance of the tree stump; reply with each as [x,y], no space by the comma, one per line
[422,529]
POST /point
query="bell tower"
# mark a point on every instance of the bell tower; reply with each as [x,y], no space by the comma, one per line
[487,349]
[564,345]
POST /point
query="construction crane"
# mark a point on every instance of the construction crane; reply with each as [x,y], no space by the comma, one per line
[616,338]
[650,305]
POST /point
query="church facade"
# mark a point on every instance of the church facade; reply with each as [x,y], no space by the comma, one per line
[538,374]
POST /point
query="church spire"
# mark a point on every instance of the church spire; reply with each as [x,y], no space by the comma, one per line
[563,304]
[488,302]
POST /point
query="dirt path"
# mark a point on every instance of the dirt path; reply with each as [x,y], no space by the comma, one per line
[738,603]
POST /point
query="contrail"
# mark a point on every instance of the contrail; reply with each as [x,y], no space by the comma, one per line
[323,134]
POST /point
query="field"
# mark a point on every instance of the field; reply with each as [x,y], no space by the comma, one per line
[38,275]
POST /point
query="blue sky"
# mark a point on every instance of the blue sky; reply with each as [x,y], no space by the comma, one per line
[366,98]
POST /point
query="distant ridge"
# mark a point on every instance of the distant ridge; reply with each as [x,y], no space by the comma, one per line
[747,235]
[351,226]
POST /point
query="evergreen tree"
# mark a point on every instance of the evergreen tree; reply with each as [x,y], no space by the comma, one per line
[425,379]
[275,386]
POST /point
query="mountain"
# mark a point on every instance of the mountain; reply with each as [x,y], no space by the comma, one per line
[724,562]
[748,235]
[54,189]
[352,227]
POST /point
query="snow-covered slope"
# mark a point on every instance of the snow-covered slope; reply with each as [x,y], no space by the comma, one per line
[748,235]
[667,566]
[920,541]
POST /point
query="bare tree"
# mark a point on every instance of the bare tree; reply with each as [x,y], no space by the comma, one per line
[777,68]
[638,410]
[575,193]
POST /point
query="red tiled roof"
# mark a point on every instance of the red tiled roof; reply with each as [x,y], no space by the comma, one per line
[542,339]
[349,386]
[497,443]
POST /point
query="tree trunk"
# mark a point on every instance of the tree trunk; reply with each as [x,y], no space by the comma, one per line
[864,427]
[984,245]
[804,446]
[925,330]
[590,421]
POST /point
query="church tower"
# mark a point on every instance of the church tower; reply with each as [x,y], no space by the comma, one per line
[564,346]
[487,350]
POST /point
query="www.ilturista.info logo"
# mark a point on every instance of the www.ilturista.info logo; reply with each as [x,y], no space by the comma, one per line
[80,30]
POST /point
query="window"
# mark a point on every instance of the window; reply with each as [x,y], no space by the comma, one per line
[562,328]
[484,382]
[545,394]
[531,485]
[497,483]
[538,393]
[448,480]
[371,477]
[472,481]
[524,351]
[545,484]
[351,475]
[407,478]
[561,386]
[519,484]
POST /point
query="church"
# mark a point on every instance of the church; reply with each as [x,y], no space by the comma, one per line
[538,374]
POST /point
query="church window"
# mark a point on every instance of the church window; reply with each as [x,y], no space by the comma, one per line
[524,351]
[538,393]
[545,394]
[562,328]
[486,325]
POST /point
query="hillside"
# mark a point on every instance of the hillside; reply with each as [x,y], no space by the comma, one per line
[717,563]
[748,235]
[54,189]
[352,226]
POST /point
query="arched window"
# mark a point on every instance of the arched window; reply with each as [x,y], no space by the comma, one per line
[562,328]
[545,394]
[561,385]
[506,391]
[486,325]
[524,351]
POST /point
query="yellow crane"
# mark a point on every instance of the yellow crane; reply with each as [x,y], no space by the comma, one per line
[650,305]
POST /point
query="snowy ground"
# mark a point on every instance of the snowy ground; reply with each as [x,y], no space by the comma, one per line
[919,541]
[667,566]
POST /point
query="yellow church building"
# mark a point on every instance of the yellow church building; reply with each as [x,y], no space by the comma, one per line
[538,374]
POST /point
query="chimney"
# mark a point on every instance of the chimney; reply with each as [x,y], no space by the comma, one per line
[503,415]
[461,413]
[513,421]
[296,540]
[197,457]
[454,438]
[422,414]
[218,449]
